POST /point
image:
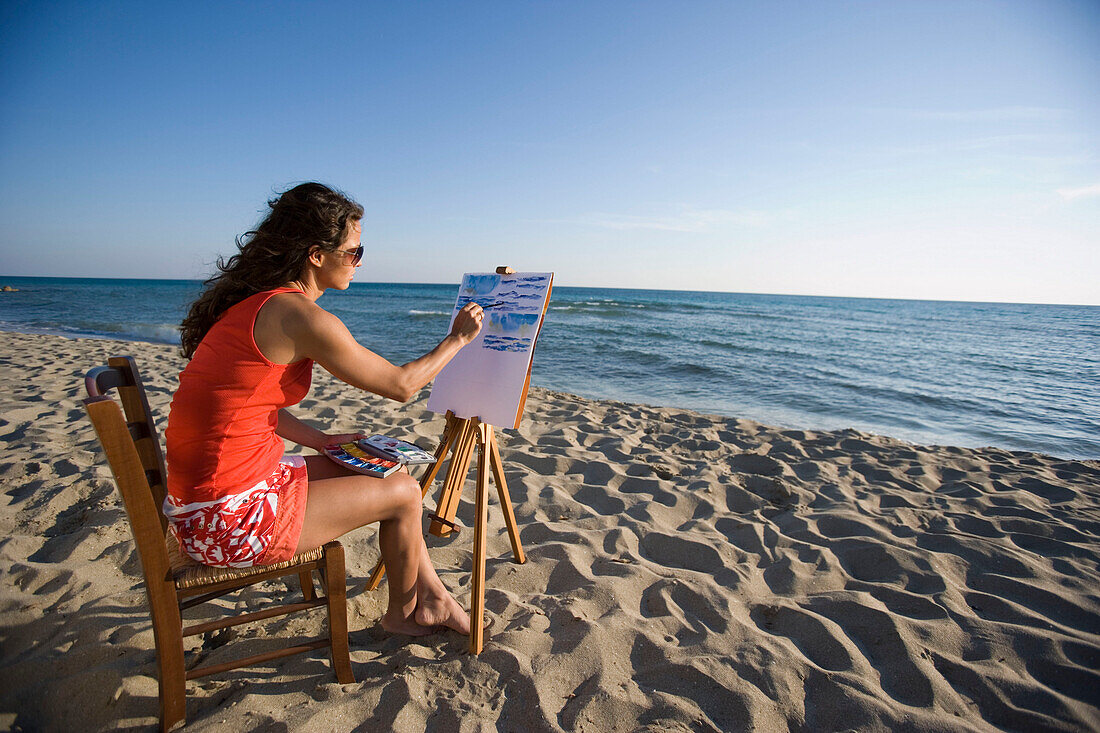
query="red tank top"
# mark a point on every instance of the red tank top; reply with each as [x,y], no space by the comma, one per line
[221,427]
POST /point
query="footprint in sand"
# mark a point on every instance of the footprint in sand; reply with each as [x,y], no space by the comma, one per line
[754,463]
[542,465]
[835,526]
[594,473]
[652,487]
[993,608]
[598,500]
[724,708]
[677,599]
[814,637]
[1048,491]
[65,468]
[883,642]
[1047,603]
[976,526]
[905,604]
[977,553]
[678,552]
[1047,547]
[1066,679]
[754,538]
[873,562]
[1012,708]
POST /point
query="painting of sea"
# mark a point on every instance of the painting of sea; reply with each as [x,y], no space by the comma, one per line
[488,379]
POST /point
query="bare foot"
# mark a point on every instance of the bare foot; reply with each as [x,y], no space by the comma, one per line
[442,610]
[396,624]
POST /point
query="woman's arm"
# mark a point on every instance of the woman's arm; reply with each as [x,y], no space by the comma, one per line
[324,338]
[296,431]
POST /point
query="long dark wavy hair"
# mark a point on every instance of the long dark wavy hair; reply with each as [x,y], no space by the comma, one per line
[273,254]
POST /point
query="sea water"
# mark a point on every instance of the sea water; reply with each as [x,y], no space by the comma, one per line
[1022,377]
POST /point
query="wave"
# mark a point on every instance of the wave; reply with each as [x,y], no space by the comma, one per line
[158,333]
[151,333]
[613,304]
[604,310]
[418,313]
[725,312]
[690,369]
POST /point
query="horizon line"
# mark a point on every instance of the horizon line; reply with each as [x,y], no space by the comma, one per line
[601,287]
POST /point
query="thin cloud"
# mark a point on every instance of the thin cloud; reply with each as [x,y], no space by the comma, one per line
[688,220]
[1085,192]
[1011,142]
[994,114]
[704,220]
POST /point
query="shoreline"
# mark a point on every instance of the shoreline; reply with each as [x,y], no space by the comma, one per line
[684,571]
[639,403]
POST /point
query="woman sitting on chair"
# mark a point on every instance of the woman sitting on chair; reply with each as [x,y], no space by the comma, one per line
[252,337]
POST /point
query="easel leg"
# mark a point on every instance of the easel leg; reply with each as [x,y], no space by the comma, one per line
[456,476]
[445,444]
[505,499]
[477,592]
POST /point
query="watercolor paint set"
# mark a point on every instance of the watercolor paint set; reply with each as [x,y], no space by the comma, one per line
[358,460]
[396,449]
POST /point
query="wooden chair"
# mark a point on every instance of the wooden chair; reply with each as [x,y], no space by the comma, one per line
[173,581]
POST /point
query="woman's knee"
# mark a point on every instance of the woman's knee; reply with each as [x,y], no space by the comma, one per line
[408,491]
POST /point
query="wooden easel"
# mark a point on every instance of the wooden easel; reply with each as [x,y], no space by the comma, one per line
[460,436]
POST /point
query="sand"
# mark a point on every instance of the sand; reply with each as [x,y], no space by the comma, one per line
[685,572]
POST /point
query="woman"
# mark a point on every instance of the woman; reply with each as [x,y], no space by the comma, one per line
[252,338]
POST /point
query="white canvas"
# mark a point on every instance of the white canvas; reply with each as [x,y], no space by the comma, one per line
[488,377]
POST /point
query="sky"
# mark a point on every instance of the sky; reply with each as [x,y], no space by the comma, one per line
[929,150]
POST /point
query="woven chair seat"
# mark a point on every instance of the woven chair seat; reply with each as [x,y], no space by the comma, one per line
[187,573]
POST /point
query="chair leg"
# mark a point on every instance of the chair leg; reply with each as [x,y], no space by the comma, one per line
[337,593]
[305,579]
[171,678]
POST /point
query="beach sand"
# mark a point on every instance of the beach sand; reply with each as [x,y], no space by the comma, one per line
[685,572]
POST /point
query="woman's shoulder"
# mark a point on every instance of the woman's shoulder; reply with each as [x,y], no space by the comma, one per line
[263,298]
[288,302]
[285,295]
[288,325]
[295,311]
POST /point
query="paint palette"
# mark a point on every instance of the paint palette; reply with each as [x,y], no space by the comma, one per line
[396,449]
[350,455]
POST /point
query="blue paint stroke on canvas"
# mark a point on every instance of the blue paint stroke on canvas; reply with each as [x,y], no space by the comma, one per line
[473,285]
[505,343]
[513,324]
[514,307]
[505,302]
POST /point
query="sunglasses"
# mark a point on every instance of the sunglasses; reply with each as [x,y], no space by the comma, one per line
[356,254]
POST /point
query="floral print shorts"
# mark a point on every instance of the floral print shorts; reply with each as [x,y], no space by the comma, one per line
[257,526]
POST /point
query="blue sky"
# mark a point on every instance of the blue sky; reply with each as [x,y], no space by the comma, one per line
[943,150]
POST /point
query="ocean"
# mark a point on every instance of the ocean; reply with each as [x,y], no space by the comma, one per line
[1014,376]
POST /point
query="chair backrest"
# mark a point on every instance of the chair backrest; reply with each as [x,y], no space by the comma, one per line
[121,373]
[134,455]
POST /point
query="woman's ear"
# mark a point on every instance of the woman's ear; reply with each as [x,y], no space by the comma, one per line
[315,255]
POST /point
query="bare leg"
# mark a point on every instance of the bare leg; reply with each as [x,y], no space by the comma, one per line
[435,605]
[340,501]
